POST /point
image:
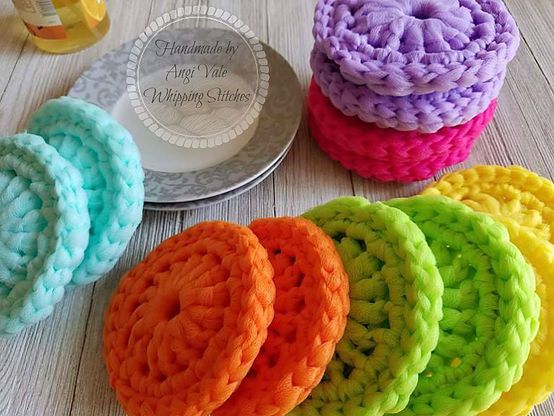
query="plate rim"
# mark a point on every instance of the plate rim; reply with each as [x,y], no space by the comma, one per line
[276,158]
[210,201]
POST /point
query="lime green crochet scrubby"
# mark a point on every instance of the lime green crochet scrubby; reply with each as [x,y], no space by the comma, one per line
[44,229]
[396,303]
[491,309]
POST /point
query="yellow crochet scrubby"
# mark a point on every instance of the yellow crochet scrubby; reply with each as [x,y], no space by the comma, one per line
[526,214]
[519,196]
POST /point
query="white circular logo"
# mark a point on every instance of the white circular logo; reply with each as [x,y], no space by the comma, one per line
[197,77]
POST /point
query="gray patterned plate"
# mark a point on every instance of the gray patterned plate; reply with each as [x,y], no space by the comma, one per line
[104,83]
[206,202]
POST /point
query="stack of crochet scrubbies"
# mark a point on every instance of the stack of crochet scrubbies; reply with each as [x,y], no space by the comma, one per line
[71,196]
[524,203]
[403,88]
[458,350]
[387,154]
[187,323]
[109,162]
[44,229]
[490,309]
[396,304]
[227,320]
[415,306]
[310,317]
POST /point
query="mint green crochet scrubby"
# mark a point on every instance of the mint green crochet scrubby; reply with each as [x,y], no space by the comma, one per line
[44,229]
[491,310]
[396,303]
[107,158]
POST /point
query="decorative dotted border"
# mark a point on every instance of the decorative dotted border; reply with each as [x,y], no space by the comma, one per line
[212,13]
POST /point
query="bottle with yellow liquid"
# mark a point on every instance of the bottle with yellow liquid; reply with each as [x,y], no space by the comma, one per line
[64,26]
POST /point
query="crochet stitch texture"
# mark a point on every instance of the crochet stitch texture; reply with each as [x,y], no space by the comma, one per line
[538,374]
[426,113]
[402,47]
[512,193]
[44,229]
[490,309]
[186,324]
[109,162]
[386,154]
[311,306]
[395,306]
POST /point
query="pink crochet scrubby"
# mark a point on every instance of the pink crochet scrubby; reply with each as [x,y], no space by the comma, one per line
[387,154]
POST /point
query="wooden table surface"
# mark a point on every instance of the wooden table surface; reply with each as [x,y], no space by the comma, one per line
[56,367]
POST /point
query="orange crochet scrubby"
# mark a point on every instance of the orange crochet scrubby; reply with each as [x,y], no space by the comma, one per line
[186,324]
[311,307]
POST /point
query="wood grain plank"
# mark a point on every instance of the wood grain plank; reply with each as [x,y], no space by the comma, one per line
[307,177]
[13,39]
[39,365]
[545,409]
[535,21]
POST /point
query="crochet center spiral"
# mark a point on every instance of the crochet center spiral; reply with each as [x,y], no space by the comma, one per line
[395,298]
[490,309]
[311,306]
[185,325]
[402,47]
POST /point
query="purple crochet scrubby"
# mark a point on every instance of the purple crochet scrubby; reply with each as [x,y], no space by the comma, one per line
[403,47]
[426,113]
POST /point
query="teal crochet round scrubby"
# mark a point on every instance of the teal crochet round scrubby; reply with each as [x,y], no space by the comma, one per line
[105,154]
[396,303]
[491,310]
[44,229]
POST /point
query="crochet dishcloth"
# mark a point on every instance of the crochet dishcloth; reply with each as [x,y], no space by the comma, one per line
[386,154]
[402,47]
[538,373]
[513,193]
[491,309]
[107,158]
[44,229]
[311,306]
[186,324]
[426,113]
[395,306]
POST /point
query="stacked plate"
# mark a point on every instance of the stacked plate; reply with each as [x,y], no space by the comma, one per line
[170,184]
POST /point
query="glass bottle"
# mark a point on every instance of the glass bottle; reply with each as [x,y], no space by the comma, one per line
[64,26]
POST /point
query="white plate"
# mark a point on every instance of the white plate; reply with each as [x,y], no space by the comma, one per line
[104,84]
